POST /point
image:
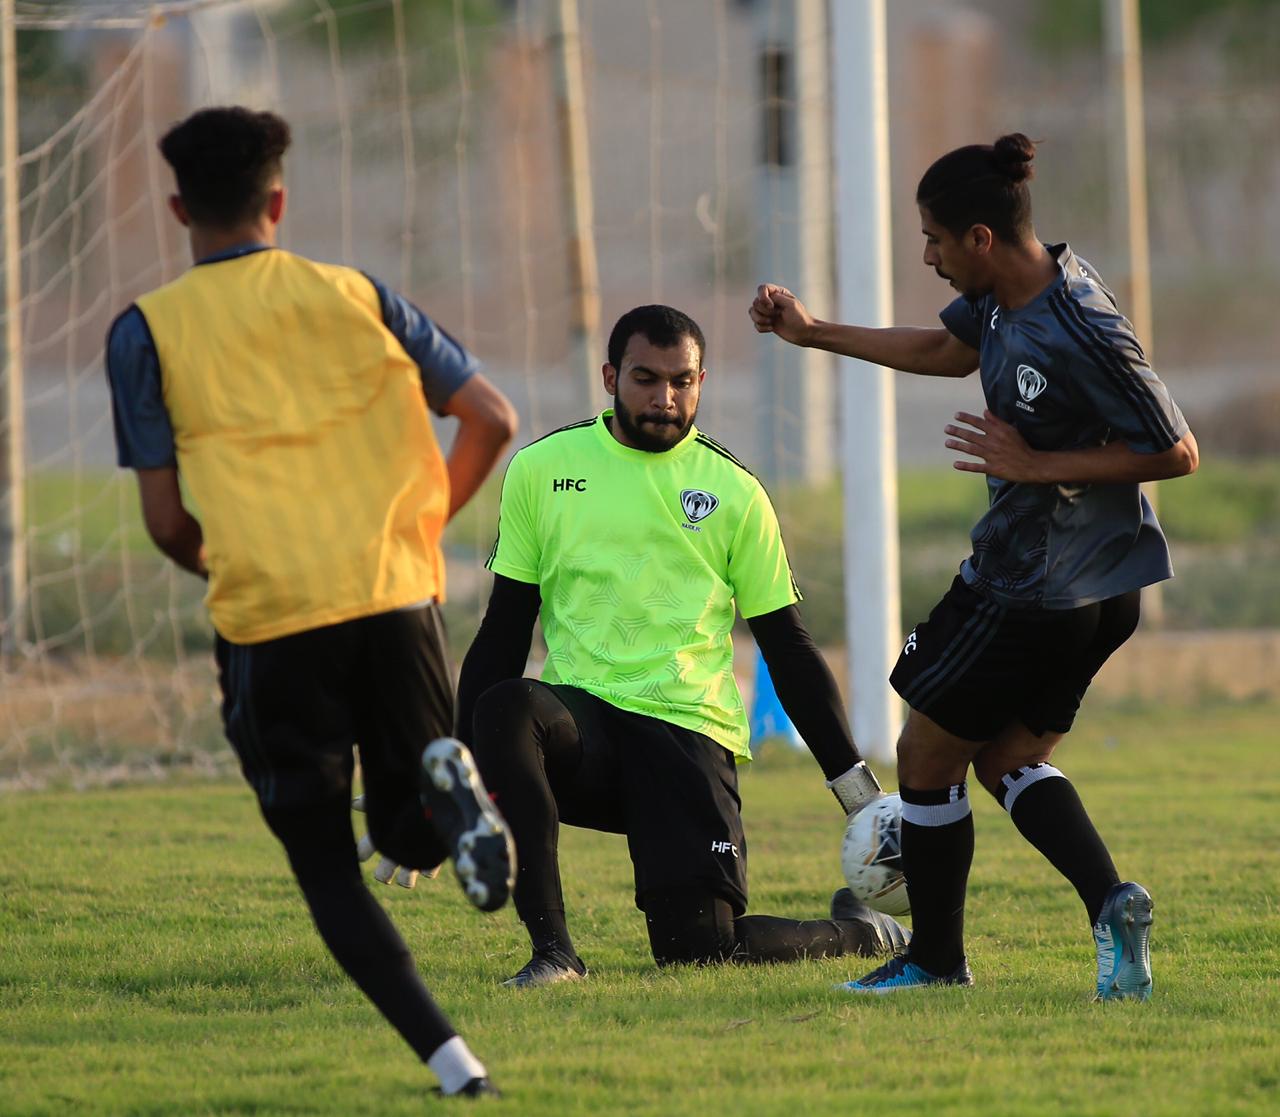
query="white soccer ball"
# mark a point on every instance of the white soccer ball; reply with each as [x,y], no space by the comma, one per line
[871,856]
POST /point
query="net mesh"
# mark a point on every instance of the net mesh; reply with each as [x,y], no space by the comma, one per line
[426,152]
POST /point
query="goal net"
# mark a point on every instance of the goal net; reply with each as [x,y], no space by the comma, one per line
[427,153]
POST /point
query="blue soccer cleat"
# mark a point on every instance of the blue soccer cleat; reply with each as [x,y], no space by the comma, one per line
[902,973]
[1122,935]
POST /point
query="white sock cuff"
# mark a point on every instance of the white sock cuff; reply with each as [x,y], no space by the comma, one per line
[1014,784]
[455,1066]
[939,814]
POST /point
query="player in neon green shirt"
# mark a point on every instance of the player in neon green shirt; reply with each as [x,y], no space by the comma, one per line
[634,536]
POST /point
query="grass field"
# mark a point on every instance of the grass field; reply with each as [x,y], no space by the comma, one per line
[155,959]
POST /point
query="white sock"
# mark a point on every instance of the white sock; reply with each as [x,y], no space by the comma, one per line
[455,1066]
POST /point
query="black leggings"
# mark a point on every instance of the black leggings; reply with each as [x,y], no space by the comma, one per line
[691,927]
[546,768]
[353,925]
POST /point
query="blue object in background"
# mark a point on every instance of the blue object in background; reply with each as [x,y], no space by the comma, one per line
[769,720]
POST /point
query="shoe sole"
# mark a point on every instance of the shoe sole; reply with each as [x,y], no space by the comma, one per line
[537,982]
[484,856]
[1131,979]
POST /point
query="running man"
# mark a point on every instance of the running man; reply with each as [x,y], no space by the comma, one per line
[1075,419]
[634,536]
[291,397]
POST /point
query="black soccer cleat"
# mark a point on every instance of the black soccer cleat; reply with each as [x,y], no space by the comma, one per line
[547,969]
[883,933]
[475,1088]
[458,806]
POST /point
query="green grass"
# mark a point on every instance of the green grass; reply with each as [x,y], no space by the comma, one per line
[157,960]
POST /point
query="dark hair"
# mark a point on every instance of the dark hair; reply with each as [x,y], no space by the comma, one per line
[663,326]
[225,160]
[982,184]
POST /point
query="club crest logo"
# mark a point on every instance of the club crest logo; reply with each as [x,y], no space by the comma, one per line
[698,504]
[1030,382]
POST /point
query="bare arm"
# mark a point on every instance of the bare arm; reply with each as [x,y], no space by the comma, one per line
[172,528]
[925,351]
[487,423]
[1004,453]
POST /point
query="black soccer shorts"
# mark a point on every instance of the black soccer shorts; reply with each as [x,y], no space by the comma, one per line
[293,707]
[673,793]
[975,667]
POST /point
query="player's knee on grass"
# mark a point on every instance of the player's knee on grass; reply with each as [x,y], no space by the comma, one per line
[689,927]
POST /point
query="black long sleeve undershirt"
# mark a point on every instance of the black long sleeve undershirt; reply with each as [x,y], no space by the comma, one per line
[501,647]
[806,688]
[801,677]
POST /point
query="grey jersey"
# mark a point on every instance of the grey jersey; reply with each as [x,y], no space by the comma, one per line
[1067,371]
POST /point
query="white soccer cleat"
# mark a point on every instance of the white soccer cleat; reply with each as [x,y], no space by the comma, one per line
[455,800]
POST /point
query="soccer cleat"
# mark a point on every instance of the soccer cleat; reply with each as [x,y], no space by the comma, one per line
[902,973]
[546,969]
[1122,935]
[885,934]
[456,802]
[475,1088]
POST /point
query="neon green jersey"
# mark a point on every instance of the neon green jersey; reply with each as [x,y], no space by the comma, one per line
[640,558]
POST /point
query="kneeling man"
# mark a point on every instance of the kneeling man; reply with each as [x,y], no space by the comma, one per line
[634,536]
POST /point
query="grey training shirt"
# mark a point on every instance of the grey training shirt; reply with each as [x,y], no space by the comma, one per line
[1067,371]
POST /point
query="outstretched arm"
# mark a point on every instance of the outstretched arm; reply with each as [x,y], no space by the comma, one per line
[501,646]
[808,693]
[927,352]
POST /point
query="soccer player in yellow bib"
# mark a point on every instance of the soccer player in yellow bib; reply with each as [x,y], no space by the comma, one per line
[635,535]
[292,398]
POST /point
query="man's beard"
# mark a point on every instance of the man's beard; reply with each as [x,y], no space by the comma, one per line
[654,440]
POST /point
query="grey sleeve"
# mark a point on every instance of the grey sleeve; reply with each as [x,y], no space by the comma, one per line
[963,318]
[1111,372]
[144,433]
[444,363]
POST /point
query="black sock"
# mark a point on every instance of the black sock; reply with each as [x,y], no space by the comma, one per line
[937,850]
[1047,811]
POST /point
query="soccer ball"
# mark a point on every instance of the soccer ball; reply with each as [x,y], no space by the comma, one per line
[871,856]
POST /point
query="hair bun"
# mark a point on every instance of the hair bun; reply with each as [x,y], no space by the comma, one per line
[1013,155]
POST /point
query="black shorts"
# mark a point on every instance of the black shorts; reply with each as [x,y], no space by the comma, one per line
[673,793]
[293,708]
[975,667]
